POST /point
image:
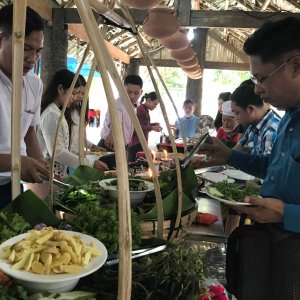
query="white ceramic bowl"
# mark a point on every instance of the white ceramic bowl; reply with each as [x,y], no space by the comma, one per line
[136,197]
[92,157]
[54,283]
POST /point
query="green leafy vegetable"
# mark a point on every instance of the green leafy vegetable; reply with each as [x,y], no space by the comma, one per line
[234,193]
[12,224]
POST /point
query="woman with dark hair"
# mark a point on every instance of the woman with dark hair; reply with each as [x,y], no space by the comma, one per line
[148,102]
[72,116]
[223,97]
[53,99]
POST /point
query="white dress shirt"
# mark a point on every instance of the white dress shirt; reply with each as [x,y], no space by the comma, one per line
[30,113]
[126,123]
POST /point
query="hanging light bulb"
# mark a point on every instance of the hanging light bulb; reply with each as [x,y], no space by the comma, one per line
[190,34]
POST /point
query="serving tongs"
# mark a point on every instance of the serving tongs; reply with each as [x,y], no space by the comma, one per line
[137,254]
[57,182]
[195,150]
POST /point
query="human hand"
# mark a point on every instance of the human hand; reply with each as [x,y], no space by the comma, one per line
[95,148]
[33,171]
[156,128]
[44,162]
[100,166]
[266,210]
[109,142]
[218,154]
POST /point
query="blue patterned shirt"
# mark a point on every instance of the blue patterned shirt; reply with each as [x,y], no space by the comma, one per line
[260,138]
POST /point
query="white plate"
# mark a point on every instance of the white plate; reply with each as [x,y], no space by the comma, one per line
[235,203]
[136,197]
[239,175]
[216,177]
[54,282]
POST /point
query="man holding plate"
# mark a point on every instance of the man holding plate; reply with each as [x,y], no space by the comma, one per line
[274,54]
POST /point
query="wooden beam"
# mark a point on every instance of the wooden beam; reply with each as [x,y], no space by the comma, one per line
[234,19]
[226,66]
[42,8]
[228,46]
[79,31]
[169,63]
[184,11]
[206,18]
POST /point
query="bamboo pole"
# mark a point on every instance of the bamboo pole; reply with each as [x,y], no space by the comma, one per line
[164,112]
[83,113]
[61,117]
[18,39]
[125,239]
[172,101]
[116,78]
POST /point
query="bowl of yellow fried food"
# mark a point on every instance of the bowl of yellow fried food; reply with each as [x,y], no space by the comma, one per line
[51,260]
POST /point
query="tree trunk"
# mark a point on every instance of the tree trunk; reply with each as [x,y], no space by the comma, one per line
[194,87]
[133,68]
[54,55]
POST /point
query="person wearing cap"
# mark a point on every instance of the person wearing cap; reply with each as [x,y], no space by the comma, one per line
[227,133]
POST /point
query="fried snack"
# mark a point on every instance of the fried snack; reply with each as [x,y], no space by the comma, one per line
[50,251]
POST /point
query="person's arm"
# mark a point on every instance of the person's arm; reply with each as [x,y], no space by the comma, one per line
[218,154]
[240,148]
[32,145]
[255,165]
[143,119]
[31,169]
[291,217]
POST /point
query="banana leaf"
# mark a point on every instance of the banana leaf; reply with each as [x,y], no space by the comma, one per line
[189,180]
[170,206]
[83,175]
[33,209]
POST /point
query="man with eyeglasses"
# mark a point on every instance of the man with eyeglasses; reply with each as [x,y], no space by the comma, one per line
[274,55]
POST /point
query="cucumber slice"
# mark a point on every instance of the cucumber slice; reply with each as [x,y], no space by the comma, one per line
[214,192]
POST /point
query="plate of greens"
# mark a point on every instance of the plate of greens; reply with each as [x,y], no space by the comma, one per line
[229,193]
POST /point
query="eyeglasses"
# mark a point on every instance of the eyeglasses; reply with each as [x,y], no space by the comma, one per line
[263,79]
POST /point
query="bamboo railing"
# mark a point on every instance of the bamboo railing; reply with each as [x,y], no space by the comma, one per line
[18,38]
[83,112]
[110,65]
[125,239]
[146,57]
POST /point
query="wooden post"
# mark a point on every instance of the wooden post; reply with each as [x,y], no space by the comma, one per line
[133,68]
[18,38]
[194,87]
[54,55]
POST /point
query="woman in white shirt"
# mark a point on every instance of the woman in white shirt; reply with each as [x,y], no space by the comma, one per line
[72,116]
[53,99]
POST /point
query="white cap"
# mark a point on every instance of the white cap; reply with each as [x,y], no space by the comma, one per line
[226,109]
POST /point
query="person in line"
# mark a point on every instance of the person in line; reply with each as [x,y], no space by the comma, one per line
[32,161]
[53,99]
[142,113]
[133,85]
[72,116]
[189,120]
[223,97]
[227,134]
[274,55]
[257,116]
